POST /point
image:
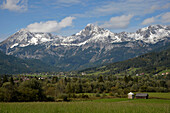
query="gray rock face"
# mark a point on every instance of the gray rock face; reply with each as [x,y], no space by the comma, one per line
[91,46]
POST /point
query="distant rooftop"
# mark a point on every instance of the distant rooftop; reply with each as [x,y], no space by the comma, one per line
[141,94]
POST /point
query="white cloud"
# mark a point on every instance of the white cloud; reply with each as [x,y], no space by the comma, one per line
[125,7]
[117,22]
[166,6]
[162,18]
[14,5]
[148,21]
[69,1]
[50,26]
[157,7]
[166,18]
[62,3]
[152,9]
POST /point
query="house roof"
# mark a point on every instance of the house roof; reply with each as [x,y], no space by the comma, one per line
[130,93]
[142,94]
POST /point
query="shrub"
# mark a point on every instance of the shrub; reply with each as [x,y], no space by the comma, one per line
[116,94]
[111,94]
[97,95]
[103,95]
[84,96]
[50,98]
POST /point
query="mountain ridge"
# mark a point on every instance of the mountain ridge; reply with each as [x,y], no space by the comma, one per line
[89,34]
[91,46]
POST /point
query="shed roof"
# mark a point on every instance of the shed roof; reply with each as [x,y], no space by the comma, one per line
[142,94]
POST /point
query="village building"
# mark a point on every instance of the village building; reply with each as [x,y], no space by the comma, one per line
[83,73]
[131,95]
[167,73]
[142,96]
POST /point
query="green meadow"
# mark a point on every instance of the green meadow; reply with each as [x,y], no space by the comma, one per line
[105,105]
[160,95]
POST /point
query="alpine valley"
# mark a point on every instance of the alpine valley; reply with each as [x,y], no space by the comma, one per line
[92,46]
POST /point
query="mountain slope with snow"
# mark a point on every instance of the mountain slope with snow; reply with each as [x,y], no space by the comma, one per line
[91,34]
[91,46]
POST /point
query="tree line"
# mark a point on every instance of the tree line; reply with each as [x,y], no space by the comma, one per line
[17,89]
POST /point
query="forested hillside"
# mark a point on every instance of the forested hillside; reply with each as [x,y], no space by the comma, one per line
[151,63]
[12,65]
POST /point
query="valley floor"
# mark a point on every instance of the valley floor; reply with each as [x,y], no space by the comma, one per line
[114,105]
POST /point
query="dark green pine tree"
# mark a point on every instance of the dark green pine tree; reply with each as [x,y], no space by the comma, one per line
[126,79]
[0,82]
[65,81]
[100,79]
[54,80]
[5,78]
[11,80]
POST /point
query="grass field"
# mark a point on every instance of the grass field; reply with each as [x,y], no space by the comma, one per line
[105,106]
[117,105]
[112,105]
[98,72]
[160,95]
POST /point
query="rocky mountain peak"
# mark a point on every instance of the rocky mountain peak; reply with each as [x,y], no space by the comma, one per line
[153,28]
[90,29]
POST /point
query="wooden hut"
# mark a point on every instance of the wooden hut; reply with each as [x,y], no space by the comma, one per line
[130,95]
[142,96]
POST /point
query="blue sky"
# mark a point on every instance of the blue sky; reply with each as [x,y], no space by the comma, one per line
[66,17]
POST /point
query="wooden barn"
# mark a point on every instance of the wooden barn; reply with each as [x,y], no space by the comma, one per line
[142,96]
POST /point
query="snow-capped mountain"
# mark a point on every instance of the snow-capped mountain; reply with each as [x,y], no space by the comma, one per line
[92,45]
[91,34]
[25,38]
